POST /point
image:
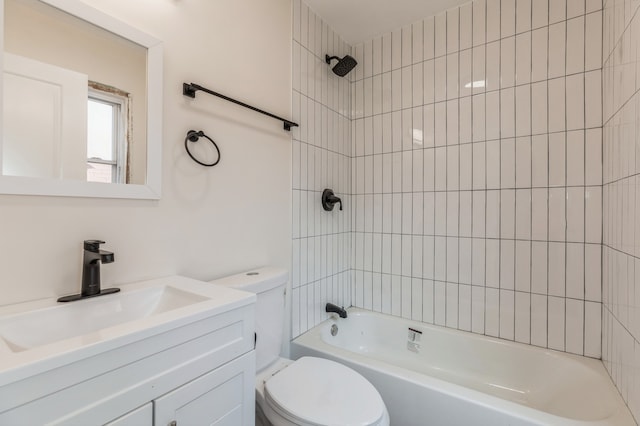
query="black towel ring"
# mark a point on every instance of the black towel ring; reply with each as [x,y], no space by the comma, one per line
[193,136]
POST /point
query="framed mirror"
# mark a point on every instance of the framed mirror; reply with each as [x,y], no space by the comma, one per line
[82,103]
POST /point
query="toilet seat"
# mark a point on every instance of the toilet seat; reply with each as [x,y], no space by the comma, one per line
[320,392]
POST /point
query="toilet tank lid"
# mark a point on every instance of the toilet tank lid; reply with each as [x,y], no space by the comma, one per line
[256,280]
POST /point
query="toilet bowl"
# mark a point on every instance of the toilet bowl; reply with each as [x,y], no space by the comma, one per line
[309,391]
[316,391]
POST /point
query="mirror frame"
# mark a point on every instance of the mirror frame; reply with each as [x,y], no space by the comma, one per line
[19,185]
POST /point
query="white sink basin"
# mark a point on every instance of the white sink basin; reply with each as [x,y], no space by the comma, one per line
[63,321]
[43,335]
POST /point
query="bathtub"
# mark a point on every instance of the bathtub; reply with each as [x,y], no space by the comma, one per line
[430,375]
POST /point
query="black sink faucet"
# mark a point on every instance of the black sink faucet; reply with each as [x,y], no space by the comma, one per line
[330,307]
[92,259]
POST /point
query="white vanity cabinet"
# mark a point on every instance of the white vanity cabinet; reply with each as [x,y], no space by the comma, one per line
[216,398]
[198,371]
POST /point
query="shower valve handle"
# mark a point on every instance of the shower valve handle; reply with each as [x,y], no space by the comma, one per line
[329,200]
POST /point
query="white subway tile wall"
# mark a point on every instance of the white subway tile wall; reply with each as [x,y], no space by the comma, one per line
[477,172]
[321,158]
[621,197]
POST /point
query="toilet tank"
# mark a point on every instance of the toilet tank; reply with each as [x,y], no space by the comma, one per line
[269,285]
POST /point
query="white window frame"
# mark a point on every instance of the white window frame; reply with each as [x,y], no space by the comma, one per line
[120,131]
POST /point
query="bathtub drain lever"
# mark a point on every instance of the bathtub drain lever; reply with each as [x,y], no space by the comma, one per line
[413,340]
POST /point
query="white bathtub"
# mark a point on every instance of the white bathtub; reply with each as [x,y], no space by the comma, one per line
[449,377]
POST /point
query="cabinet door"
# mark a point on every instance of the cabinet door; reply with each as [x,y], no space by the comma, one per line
[222,397]
[139,417]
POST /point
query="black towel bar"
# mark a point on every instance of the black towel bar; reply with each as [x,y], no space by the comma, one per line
[190,89]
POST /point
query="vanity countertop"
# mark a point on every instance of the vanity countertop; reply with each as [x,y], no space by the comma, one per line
[63,333]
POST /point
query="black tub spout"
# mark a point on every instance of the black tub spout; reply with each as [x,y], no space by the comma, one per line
[330,307]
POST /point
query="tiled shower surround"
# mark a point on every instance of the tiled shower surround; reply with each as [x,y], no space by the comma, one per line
[468,148]
[621,192]
[477,172]
[474,164]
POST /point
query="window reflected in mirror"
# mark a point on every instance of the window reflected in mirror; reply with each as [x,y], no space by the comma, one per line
[108,124]
[75,98]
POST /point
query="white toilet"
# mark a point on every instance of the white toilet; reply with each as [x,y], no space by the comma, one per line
[309,391]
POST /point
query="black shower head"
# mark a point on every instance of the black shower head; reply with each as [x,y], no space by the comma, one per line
[343,66]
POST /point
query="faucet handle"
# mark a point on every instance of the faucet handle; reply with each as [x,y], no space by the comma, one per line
[92,245]
[329,199]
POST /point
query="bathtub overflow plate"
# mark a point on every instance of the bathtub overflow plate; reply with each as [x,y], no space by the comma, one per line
[413,340]
[334,330]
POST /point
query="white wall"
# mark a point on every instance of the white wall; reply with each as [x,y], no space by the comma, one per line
[478,206]
[621,196]
[321,159]
[210,221]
